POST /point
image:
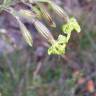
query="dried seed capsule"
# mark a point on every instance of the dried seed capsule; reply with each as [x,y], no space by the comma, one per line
[43,31]
[26,34]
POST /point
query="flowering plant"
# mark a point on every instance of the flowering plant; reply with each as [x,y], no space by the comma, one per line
[39,11]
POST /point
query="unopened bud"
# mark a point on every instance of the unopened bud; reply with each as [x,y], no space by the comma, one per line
[59,11]
[26,34]
[46,15]
[43,31]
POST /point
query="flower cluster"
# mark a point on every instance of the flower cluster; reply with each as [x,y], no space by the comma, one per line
[59,46]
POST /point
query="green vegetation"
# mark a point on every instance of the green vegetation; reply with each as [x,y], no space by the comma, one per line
[59,45]
[43,50]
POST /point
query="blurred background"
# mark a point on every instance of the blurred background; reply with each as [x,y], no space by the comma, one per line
[26,71]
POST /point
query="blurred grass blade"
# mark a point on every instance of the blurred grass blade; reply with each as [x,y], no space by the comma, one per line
[7,3]
[31,1]
[26,14]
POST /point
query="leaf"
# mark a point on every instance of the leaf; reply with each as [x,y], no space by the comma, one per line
[7,3]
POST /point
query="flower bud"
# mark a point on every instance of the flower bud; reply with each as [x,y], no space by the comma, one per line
[26,34]
[43,31]
[59,11]
[46,15]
